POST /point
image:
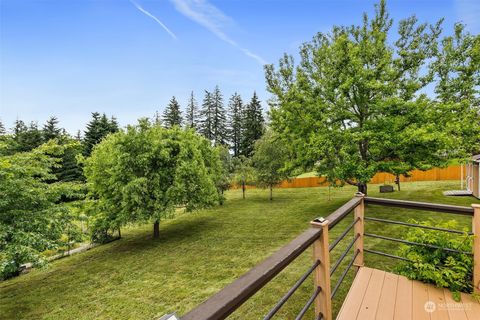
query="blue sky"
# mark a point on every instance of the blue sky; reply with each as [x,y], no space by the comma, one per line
[69,58]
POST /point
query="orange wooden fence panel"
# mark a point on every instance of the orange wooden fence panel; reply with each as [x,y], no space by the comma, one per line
[436,174]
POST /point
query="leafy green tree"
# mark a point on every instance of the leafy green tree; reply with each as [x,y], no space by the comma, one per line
[457,67]
[50,129]
[253,125]
[235,108]
[172,116]
[145,172]
[192,113]
[97,129]
[354,105]
[244,173]
[269,159]
[32,217]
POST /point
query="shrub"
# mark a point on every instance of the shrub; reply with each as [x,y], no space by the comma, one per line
[444,269]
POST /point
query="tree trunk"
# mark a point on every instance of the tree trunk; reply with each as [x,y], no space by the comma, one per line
[397,181]
[119,233]
[243,189]
[271,193]
[362,187]
[156,229]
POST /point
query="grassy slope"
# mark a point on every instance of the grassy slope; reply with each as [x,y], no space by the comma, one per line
[197,255]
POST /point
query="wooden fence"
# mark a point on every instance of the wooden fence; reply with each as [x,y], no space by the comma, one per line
[436,174]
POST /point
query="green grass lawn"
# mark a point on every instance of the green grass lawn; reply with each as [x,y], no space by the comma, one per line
[199,253]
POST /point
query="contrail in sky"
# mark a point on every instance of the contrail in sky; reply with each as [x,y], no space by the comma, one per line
[210,17]
[154,18]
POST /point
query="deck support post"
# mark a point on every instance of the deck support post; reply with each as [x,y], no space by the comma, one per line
[359,229]
[476,247]
[321,275]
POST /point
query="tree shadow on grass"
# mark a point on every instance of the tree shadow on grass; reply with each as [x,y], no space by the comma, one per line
[170,233]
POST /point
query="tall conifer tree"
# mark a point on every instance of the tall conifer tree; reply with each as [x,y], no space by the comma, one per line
[206,116]
[51,130]
[235,116]
[97,129]
[253,125]
[219,118]
[2,128]
[172,116]
[192,114]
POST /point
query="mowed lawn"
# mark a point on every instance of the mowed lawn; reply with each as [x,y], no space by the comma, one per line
[199,253]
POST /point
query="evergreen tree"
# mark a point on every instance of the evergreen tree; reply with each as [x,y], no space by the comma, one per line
[113,125]
[219,125]
[206,116]
[19,135]
[97,129]
[78,136]
[172,116]
[33,137]
[157,119]
[192,115]
[235,108]
[50,129]
[253,125]
[69,169]
[19,127]
[2,128]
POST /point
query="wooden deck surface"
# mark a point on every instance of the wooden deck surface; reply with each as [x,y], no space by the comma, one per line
[380,295]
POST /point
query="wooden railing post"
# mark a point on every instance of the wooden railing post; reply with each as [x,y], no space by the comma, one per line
[321,276]
[359,229]
[476,247]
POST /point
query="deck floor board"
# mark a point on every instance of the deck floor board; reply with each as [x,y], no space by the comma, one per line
[380,295]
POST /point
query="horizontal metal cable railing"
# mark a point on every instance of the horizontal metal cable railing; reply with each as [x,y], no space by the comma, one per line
[225,302]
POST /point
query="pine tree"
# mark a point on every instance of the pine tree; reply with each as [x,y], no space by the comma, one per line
[157,119]
[2,128]
[98,128]
[19,134]
[33,137]
[192,115]
[235,115]
[78,136]
[70,170]
[172,116]
[219,126]
[50,129]
[113,126]
[252,126]
[206,116]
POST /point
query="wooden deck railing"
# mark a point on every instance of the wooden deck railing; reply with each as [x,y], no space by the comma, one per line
[235,294]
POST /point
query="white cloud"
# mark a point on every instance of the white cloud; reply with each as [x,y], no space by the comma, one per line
[148,14]
[213,19]
[468,11]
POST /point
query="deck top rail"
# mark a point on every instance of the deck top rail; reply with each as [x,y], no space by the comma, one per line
[227,300]
[230,298]
[427,206]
